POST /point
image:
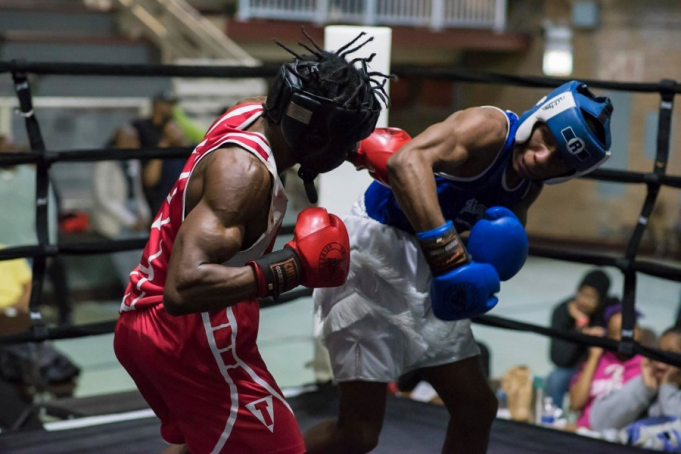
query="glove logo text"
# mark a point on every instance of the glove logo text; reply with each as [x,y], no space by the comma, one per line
[331,258]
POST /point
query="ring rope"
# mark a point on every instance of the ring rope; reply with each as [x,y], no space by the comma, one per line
[270,70]
[43,159]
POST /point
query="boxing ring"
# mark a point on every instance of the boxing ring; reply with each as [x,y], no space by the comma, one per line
[126,424]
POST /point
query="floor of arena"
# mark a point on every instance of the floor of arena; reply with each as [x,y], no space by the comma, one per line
[410,427]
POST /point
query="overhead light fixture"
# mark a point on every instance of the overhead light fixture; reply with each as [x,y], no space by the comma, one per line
[557,50]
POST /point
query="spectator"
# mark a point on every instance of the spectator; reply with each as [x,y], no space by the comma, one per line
[120,209]
[583,310]
[159,175]
[15,287]
[168,126]
[653,393]
[149,131]
[603,372]
[24,368]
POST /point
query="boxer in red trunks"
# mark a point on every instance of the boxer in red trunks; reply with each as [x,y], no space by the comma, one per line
[189,319]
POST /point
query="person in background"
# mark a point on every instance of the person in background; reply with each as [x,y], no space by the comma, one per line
[168,126]
[120,209]
[603,371]
[15,293]
[26,369]
[149,132]
[15,287]
[16,230]
[583,313]
[656,392]
[159,175]
[150,129]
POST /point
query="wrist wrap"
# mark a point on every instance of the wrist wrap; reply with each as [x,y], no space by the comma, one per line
[277,272]
[443,248]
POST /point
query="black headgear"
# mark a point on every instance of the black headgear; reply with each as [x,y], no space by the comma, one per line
[318,130]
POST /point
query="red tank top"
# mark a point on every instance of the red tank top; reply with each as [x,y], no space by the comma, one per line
[148,279]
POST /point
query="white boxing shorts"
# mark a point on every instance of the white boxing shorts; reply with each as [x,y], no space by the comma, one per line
[379,324]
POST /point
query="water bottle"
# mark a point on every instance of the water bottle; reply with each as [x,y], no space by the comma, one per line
[503,412]
[549,412]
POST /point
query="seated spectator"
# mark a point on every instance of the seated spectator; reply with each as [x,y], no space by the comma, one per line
[24,368]
[120,209]
[160,175]
[654,393]
[152,132]
[149,130]
[604,371]
[577,313]
[15,294]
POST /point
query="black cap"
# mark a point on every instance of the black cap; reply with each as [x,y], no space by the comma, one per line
[598,280]
[165,96]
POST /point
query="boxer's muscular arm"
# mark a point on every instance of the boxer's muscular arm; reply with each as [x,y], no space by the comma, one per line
[235,187]
[471,137]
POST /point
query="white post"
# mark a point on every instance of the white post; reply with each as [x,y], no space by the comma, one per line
[339,188]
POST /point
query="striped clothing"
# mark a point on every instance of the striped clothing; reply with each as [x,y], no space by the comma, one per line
[202,373]
[148,279]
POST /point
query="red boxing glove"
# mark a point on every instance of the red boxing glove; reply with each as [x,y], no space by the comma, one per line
[374,151]
[321,240]
[317,256]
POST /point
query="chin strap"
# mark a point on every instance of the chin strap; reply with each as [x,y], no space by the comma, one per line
[308,181]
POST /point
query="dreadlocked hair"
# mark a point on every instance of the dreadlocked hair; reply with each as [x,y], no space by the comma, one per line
[330,75]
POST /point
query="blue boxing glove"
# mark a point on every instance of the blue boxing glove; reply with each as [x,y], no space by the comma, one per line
[460,288]
[500,240]
[662,433]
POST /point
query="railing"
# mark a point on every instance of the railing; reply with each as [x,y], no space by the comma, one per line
[185,37]
[435,14]
[179,31]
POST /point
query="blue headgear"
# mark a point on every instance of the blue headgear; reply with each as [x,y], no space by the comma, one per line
[564,111]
